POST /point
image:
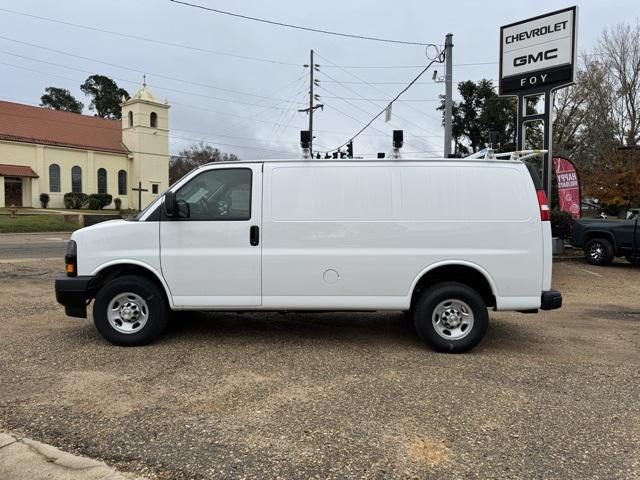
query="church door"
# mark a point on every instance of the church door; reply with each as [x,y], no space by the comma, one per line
[12,192]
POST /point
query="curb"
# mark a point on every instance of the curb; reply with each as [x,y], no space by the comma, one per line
[25,458]
[566,258]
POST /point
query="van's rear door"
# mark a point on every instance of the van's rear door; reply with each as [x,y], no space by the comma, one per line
[213,257]
[547,249]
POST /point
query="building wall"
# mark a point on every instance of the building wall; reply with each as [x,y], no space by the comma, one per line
[40,157]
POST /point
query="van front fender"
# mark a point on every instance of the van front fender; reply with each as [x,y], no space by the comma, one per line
[138,264]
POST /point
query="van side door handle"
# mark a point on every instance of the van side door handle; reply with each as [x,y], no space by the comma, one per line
[254,235]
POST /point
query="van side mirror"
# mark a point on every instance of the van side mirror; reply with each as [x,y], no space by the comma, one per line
[175,208]
[170,207]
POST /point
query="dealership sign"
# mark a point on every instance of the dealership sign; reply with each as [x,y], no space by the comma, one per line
[538,53]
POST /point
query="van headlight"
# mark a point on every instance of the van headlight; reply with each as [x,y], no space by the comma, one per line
[71,259]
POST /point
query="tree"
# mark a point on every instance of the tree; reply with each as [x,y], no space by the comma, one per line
[619,54]
[105,96]
[193,157]
[615,181]
[583,128]
[60,99]
[480,111]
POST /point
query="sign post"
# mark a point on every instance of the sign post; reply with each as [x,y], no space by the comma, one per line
[537,57]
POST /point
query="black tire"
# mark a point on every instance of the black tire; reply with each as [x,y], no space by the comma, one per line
[157,310]
[633,260]
[599,251]
[431,298]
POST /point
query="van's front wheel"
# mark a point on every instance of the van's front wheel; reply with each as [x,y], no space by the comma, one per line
[451,317]
[130,311]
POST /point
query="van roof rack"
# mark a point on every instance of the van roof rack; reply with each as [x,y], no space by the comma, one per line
[489,154]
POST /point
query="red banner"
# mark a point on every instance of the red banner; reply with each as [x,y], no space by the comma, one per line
[568,186]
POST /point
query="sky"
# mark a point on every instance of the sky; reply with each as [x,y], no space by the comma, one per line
[249,106]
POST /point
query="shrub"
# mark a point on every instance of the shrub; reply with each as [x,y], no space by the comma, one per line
[118,203]
[101,200]
[561,223]
[44,199]
[94,203]
[75,200]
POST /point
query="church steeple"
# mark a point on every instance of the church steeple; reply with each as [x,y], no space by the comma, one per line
[145,133]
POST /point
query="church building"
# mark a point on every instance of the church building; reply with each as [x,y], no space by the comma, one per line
[54,152]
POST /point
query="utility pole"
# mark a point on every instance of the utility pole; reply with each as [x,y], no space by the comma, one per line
[311,69]
[448,99]
[312,66]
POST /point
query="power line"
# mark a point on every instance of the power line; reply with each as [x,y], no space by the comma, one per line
[380,99]
[218,52]
[168,89]
[151,40]
[262,108]
[404,66]
[358,121]
[298,27]
[367,113]
[173,103]
[439,59]
[381,134]
[379,90]
[58,121]
[159,75]
[363,82]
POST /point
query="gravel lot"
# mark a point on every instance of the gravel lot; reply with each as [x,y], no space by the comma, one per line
[554,395]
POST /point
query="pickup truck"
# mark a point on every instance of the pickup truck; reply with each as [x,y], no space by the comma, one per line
[604,239]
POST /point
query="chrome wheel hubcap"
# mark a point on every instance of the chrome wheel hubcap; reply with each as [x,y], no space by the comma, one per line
[127,313]
[596,252]
[452,319]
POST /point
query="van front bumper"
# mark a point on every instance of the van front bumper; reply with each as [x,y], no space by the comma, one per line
[74,294]
[550,300]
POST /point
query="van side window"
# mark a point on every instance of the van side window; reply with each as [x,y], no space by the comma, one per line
[223,194]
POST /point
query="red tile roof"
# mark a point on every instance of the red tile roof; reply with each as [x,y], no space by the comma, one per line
[24,123]
[17,171]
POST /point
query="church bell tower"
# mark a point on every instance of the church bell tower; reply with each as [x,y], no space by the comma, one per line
[145,133]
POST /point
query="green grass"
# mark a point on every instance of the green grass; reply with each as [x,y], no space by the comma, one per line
[56,211]
[36,223]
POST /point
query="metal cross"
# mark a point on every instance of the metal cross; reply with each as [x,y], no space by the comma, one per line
[140,190]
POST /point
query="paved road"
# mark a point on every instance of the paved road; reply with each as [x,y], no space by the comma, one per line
[554,395]
[33,246]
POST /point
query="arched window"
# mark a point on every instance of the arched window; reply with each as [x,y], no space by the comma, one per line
[130,118]
[102,180]
[153,120]
[76,179]
[122,182]
[54,177]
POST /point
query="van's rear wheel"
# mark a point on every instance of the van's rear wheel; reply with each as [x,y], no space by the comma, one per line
[451,317]
[130,311]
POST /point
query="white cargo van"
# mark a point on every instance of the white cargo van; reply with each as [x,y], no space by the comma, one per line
[439,239]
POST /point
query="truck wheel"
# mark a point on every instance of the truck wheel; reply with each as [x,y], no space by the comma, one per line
[633,260]
[130,311]
[599,251]
[451,317]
